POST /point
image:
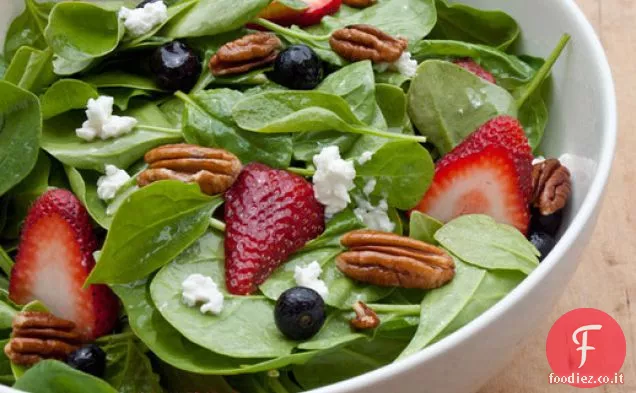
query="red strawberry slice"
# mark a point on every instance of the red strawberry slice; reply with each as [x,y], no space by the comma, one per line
[313,14]
[503,131]
[470,65]
[480,182]
[54,258]
[269,215]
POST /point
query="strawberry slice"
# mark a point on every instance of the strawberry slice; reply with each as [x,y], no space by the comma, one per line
[471,65]
[269,215]
[490,172]
[55,256]
[313,14]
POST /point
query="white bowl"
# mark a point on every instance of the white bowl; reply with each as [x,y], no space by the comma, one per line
[583,125]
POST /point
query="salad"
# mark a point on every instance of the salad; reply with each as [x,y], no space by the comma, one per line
[261,196]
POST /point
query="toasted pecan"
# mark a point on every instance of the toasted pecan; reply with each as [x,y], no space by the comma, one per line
[365,318]
[551,186]
[366,42]
[244,54]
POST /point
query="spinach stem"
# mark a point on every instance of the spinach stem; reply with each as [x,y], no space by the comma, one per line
[276,386]
[159,129]
[302,171]
[217,224]
[388,135]
[402,309]
[115,338]
[299,34]
[203,82]
[185,98]
[543,72]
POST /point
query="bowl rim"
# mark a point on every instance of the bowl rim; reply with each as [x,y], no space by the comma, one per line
[581,218]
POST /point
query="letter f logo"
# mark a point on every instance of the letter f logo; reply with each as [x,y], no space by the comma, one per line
[584,347]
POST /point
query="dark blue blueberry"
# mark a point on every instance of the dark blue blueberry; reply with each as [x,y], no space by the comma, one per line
[176,66]
[548,224]
[543,242]
[299,313]
[143,3]
[90,359]
[297,67]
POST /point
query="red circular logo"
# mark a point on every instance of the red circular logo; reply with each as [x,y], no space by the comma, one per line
[586,348]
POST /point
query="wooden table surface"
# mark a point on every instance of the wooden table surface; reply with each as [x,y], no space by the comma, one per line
[606,278]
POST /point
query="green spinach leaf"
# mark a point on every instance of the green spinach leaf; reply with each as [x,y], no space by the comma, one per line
[128,369]
[162,220]
[20,129]
[123,96]
[59,139]
[480,241]
[121,79]
[448,103]
[6,263]
[208,18]
[52,376]
[462,22]
[31,69]
[423,227]
[28,28]
[207,121]
[403,171]
[468,295]
[65,95]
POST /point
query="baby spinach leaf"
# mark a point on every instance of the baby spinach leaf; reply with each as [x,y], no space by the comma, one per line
[80,32]
[468,295]
[244,329]
[162,220]
[350,361]
[335,332]
[6,375]
[213,17]
[343,291]
[173,111]
[121,79]
[302,111]
[20,128]
[59,139]
[176,380]
[31,69]
[337,226]
[3,66]
[447,103]
[28,28]
[403,171]
[480,241]
[509,71]
[297,5]
[65,95]
[123,96]
[412,19]
[423,227]
[6,263]
[128,369]
[391,101]
[52,376]
[533,115]
[307,144]
[22,196]
[461,22]
[207,121]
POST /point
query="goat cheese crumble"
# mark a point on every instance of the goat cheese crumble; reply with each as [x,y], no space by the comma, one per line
[198,288]
[140,21]
[374,217]
[365,157]
[109,184]
[405,65]
[308,277]
[333,180]
[102,123]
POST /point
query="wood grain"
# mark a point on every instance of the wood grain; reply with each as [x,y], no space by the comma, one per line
[606,278]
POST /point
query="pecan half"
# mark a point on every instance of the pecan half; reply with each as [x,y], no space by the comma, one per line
[40,335]
[551,186]
[359,3]
[387,259]
[214,170]
[365,318]
[366,42]
[245,54]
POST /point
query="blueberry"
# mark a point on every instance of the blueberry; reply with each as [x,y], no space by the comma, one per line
[297,67]
[299,313]
[143,3]
[548,224]
[89,359]
[176,66]
[543,242]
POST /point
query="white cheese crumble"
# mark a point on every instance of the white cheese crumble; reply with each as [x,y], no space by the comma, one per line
[308,277]
[405,65]
[374,217]
[333,180]
[102,123]
[365,157]
[198,288]
[369,187]
[109,184]
[140,21]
